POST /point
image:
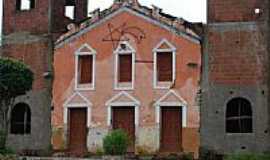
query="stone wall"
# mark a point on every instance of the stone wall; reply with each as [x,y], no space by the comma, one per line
[35,51]
[235,65]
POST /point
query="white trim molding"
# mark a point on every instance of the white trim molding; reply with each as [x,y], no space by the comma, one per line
[80,52]
[120,51]
[84,103]
[130,102]
[180,102]
[156,50]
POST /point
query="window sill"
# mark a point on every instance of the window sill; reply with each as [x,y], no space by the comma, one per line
[239,134]
[24,11]
[163,85]
[21,135]
[124,86]
[84,87]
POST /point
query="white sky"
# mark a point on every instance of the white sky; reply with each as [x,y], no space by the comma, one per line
[191,10]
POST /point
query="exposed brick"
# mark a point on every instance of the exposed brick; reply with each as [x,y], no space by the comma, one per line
[234,57]
[233,10]
[35,20]
[35,55]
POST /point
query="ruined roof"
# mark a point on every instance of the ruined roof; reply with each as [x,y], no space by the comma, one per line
[177,25]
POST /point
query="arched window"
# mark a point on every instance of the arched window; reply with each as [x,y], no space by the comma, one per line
[239,116]
[20,119]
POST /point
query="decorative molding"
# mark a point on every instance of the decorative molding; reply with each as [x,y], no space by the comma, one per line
[129,49]
[85,104]
[185,35]
[85,45]
[157,49]
[78,53]
[164,41]
[120,51]
[181,103]
[125,94]
[114,103]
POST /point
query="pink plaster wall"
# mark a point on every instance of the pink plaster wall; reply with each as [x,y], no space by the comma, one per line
[187,78]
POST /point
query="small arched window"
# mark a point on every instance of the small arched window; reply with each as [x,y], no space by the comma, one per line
[20,119]
[239,116]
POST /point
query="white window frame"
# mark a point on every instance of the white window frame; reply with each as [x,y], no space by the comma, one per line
[157,50]
[79,52]
[117,52]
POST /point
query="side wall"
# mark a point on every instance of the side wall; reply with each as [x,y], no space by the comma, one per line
[35,51]
[235,64]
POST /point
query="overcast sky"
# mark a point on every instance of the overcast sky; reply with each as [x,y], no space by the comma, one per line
[191,10]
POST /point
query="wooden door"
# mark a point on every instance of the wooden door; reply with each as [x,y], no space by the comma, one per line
[171,129]
[124,118]
[77,130]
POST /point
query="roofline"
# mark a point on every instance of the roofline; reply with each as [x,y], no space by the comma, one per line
[134,12]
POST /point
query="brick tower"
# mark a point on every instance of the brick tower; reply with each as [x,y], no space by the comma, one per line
[234,112]
[29,30]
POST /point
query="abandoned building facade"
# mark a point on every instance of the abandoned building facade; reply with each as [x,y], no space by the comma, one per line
[235,85]
[132,68]
[28,35]
[144,71]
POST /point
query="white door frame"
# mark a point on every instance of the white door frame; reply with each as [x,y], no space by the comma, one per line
[114,103]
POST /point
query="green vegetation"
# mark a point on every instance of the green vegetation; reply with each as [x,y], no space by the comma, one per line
[6,151]
[15,80]
[242,156]
[116,143]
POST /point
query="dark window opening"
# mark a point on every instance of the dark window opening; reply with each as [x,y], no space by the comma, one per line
[125,68]
[164,66]
[20,119]
[239,116]
[24,5]
[85,69]
[70,3]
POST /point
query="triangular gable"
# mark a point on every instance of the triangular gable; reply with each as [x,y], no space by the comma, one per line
[193,38]
[85,48]
[124,47]
[171,97]
[77,99]
[164,44]
[122,97]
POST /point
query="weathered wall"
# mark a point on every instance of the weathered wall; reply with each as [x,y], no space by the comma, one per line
[81,10]
[26,37]
[235,64]
[58,19]
[39,139]
[35,20]
[147,132]
[233,10]
[35,52]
